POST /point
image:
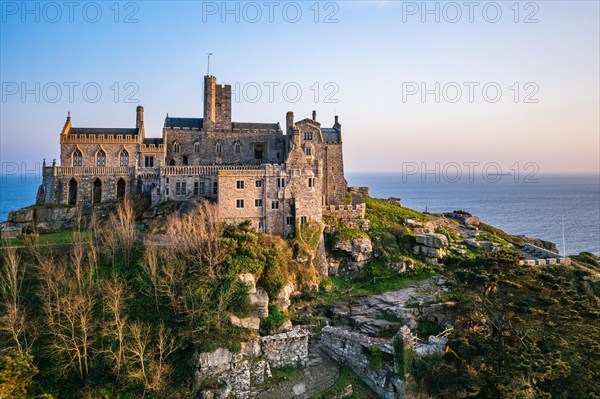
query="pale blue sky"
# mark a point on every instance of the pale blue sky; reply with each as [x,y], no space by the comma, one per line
[370,54]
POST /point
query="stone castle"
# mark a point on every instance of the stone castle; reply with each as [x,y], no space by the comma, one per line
[253,171]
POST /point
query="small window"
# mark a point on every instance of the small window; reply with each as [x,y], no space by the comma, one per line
[215,188]
[275,204]
[239,184]
[260,225]
[183,188]
[280,182]
[202,188]
[196,148]
[303,219]
[258,183]
[258,202]
[185,160]
[219,148]
[311,182]
[308,135]
[176,147]
[196,187]
[124,158]
[289,220]
[239,203]
[237,148]
[77,158]
[178,188]
[167,191]
[308,151]
[101,158]
[149,162]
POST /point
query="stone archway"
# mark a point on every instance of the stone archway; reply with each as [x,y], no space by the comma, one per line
[72,195]
[121,188]
[97,191]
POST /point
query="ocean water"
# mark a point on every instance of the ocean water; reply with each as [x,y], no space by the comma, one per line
[535,209]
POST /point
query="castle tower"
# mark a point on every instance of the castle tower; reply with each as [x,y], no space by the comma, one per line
[217,104]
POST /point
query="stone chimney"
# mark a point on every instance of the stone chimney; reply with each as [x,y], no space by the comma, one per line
[314,116]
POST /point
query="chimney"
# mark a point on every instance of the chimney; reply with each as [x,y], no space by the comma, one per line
[139,120]
[289,122]
[336,120]
[315,116]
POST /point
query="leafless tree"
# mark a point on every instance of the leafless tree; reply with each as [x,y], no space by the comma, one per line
[114,295]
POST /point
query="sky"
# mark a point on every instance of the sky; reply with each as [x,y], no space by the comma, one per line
[515,84]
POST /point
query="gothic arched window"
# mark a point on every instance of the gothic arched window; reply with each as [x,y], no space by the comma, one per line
[196,148]
[101,158]
[176,147]
[237,147]
[124,158]
[77,158]
[219,148]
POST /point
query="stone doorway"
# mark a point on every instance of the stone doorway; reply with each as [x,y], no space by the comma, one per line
[72,192]
[121,188]
[97,191]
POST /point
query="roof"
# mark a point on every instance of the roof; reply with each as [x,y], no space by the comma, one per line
[102,130]
[184,122]
[251,125]
[330,134]
[153,140]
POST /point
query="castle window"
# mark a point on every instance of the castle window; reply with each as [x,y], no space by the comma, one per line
[215,188]
[196,187]
[167,191]
[258,183]
[308,151]
[121,188]
[176,147]
[185,160]
[77,158]
[258,202]
[303,219]
[72,192]
[219,148]
[101,158]
[280,182]
[178,188]
[149,162]
[239,203]
[202,188]
[237,147]
[97,191]
[196,148]
[308,135]
[172,162]
[311,182]
[124,158]
[275,204]
[239,184]
[289,220]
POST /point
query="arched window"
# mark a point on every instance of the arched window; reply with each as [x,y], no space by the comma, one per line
[77,158]
[219,148]
[237,147]
[124,158]
[176,147]
[196,148]
[172,162]
[72,192]
[101,158]
[185,160]
[97,191]
[121,188]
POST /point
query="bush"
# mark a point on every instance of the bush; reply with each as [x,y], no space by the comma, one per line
[276,318]
[375,358]
[427,327]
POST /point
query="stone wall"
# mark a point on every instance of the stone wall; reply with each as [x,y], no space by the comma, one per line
[288,349]
[351,348]
[352,215]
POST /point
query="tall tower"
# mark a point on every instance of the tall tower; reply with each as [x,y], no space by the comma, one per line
[217,104]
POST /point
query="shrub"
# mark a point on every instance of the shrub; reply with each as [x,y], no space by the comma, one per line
[375,358]
[276,317]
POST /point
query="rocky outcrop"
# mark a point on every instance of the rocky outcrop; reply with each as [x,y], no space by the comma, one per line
[225,374]
[353,349]
[358,251]
[283,300]
[249,323]
[432,246]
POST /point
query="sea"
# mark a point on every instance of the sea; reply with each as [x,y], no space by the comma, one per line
[543,207]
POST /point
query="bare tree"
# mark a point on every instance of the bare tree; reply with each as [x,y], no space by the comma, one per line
[14,322]
[114,293]
[150,271]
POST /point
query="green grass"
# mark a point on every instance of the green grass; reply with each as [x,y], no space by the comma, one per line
[54,238]
[360,390]
[384,214]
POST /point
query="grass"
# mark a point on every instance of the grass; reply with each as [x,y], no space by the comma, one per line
[383,214]
[360,390]
[54,238]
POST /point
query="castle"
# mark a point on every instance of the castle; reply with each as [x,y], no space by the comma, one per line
[253,171]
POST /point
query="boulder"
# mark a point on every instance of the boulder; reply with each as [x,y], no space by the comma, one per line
[24,215]
[260,304]
[283,298]
[249,323]
[432,240]
[360,248]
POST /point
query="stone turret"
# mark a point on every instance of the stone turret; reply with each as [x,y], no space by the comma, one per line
[67,126]
[139,120]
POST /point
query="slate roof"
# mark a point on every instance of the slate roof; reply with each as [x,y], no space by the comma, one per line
[184,122]
[102,130]
[330,134]
[250,125]
[153,140]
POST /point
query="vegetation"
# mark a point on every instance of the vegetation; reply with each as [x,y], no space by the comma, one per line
[375,358]
[347,377]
